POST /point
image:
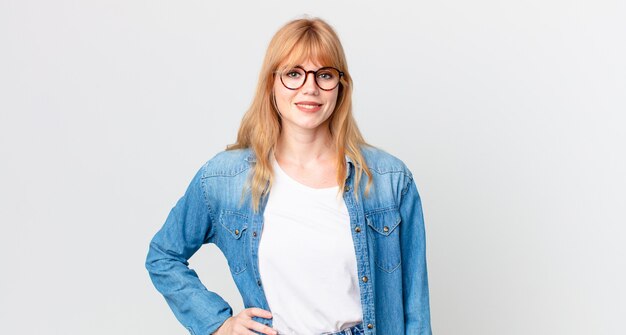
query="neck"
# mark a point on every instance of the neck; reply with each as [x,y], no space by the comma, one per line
[305,149]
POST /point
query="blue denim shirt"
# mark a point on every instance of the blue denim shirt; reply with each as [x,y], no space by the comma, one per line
[387,231]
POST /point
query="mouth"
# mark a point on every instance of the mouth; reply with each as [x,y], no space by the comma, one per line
[310,106]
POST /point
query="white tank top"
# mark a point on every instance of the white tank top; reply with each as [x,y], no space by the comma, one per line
[307,260]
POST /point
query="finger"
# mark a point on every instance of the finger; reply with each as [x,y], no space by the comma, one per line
[261,328]
[253,311]
[243,330]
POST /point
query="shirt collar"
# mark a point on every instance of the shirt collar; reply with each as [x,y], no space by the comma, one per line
[251,157]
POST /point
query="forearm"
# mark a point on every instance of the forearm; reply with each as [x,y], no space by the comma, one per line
[195,307]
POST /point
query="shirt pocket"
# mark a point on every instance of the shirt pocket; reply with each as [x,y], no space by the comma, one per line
[235,241]
[384,233]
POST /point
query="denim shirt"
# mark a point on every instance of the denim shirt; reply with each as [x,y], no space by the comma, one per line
[387,231]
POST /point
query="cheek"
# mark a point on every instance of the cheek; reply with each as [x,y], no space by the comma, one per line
[282,100]
[282,95]
[333,100]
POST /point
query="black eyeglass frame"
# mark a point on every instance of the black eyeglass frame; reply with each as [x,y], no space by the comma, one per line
[306,77]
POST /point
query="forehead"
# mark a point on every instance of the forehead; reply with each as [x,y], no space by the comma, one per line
[307,65]
[309,54]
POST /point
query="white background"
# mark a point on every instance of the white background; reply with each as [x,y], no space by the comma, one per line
[509,113]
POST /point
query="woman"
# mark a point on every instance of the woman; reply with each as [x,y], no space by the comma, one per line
[336,247]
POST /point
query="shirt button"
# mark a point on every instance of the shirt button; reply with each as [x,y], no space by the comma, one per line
[346,188]
[236,231]
[370,326]
[357,229]
[258,282]
[364,279]
[385,229]
[253,234]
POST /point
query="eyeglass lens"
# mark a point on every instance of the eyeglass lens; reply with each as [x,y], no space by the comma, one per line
[327,78]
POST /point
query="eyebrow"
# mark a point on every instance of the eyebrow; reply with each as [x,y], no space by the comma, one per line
[302,67]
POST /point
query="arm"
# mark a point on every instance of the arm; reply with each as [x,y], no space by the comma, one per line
[414,274]
[186,228]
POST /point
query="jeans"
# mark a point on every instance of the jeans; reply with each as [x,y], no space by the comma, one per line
[354,330]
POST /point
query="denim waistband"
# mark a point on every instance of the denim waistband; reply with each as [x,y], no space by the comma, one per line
[354,330]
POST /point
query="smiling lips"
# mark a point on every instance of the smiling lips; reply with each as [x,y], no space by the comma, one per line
[308,106]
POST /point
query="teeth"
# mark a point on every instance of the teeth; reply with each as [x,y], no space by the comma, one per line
[308,106]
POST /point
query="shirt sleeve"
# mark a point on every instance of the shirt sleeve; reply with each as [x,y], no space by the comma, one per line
[187,227]
[414,275]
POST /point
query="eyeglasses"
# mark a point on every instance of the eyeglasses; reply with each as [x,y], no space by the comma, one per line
[326,78]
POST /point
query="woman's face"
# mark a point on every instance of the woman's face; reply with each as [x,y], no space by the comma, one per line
[308,107]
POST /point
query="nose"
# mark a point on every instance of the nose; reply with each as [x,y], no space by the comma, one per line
[310,86]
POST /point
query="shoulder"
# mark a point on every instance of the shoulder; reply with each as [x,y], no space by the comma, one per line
[228,163]
[381,162]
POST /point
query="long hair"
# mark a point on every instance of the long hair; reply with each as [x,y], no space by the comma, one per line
[296,42]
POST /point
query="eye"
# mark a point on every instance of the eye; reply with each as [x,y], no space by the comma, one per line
[326,75]
[293,73]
